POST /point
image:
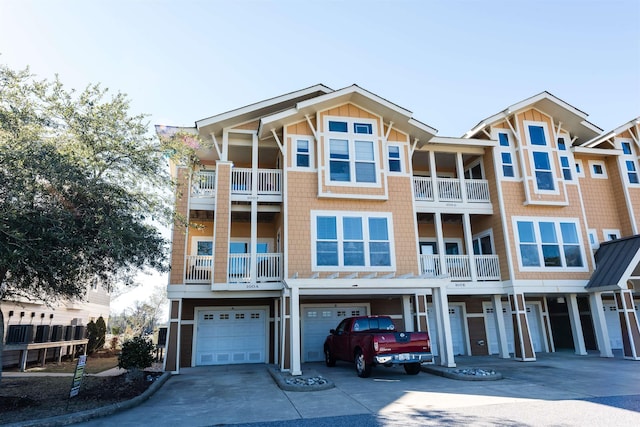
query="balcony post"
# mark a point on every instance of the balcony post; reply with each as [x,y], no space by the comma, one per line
[461,179]
[468,241]
[253,250]
[437,220]
[434,176]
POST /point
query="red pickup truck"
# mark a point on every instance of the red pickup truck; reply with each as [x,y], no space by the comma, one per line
[373,340]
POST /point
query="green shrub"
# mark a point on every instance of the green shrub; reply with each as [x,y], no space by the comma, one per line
[137,353]
[96,332]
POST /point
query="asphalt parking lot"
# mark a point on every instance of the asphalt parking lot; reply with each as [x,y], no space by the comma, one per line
[557,389]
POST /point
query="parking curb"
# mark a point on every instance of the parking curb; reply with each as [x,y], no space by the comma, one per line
[455,375]
[281,380]
[78,417]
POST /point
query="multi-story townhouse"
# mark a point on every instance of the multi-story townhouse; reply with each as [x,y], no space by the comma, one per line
[322,204]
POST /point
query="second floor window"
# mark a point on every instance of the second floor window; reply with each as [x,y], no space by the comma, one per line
[394,159]
[542,171]
[549,244]
[350,241]
[564,160]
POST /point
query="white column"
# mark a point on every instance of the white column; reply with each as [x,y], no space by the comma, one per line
[503,345]
[576,325]
[406,313]
[600,324]
[434,176]
[437,220]
[253,247]
[460,174]
[283,327]
[445,342]
[468,241]
[276,330]
[296,368]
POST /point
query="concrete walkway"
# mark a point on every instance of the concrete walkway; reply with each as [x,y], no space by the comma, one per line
[557,389]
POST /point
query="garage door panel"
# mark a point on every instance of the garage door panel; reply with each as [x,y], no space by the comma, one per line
[231,336]
[317,321]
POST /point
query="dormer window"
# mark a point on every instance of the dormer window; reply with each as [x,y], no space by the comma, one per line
[352,151]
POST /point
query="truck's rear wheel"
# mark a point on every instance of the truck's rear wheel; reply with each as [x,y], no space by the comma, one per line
[329,360]
[412,368]
[362,367]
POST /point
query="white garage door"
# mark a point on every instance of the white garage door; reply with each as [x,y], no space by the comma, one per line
[457,329]
[613,325]
[226,336]
[533,318]
[316,322]
[492,328]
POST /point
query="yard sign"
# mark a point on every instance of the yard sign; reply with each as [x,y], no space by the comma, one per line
[77,377]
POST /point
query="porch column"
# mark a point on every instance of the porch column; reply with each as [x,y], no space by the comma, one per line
[522,337]
[468,241]
[434,176]
[253,249]
[172,355]
[445,342]
[503,346]
[437,220]
[460,175]
[407,315]
[276,330]
[629,325]
[294,328]
[600,324]
[285,342]
[422,320]
[576,325]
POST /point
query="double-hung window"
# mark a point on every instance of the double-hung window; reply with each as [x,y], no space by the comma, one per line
[303,153]
[507,155]
[549,244]
[630,162]
[564,160]
[541,160]
[394,158]
[352,151]
[351,241]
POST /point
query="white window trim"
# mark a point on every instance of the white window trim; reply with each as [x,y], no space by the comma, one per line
[607,231]
[456,240]
[340,238]
[569,155]
[596,243]
[511,150]
[592,163]
[312,152]
[482,234]
[536,230]
[247,241]
[402,170]
[351,137]
[196,239]
[580,173]
[549,149]
[628,157]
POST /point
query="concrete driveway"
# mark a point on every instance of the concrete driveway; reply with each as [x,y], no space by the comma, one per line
[558,389]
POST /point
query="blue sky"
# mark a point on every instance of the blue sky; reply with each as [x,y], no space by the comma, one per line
[452,63]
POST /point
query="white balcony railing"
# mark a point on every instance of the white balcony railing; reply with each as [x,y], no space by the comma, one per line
[449,189]
[459,266]
[268,267]
[269,181]
[203,184]
[199,268]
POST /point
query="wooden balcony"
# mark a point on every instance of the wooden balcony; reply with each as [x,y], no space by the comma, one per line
[458,267]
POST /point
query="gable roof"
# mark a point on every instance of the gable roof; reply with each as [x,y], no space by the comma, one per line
[253,111]
[617,261]
[402,118]
[572,118]
[608,136]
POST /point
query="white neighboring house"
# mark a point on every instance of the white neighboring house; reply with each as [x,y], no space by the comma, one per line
[35,333]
